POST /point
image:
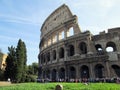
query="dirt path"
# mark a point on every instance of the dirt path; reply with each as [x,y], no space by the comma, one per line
[4,83]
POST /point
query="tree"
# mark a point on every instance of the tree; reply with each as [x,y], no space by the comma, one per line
[16,63]
[21,61]
[33,69]
[10,71]
[32,72]
[1,71]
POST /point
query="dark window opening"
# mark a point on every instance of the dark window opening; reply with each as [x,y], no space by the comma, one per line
[54,75]
[99,71]
[62,73]
[84,72]
[70,50]
[61,53]
[48,56]
[98,47]
[72,73]
[54,55]
[116,70]
[83,48]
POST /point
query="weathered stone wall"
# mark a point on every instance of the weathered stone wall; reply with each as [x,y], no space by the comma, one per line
[77,56]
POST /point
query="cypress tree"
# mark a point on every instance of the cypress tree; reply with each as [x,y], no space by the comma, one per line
[21,61]
[10,71]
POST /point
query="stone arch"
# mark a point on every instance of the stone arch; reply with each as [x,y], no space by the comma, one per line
[111,47]
[41,57]
[49,42]
[99,71]
[71,51]
[48,56]
[54,54]
[54,75]
[44,59]
[84,72]
[98,47]
[54,38]
[62,73]
[61,52]
[83,48]
[61,35]
[48,73]
[44,73]
[70,32]
[72,72]
[116,69]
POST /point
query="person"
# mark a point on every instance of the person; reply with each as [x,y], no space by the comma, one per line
[8,79]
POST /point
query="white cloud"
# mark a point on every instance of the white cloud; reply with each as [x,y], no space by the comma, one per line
[8,38]
[17,19]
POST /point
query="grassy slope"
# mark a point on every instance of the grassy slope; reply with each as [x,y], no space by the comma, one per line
[66,86]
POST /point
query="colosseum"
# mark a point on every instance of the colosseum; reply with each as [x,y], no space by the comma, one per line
[67,53]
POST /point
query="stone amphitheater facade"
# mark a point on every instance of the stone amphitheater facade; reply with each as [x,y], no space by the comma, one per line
[68,53]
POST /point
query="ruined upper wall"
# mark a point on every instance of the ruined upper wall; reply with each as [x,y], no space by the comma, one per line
[58,17]
[114,30]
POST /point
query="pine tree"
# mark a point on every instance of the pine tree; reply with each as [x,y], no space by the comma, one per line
[16,63]
[10,71]
[24,74]
[21,61]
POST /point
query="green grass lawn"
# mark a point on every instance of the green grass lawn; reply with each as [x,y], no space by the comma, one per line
[66,86]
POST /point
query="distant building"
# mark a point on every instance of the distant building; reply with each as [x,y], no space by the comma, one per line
[67,53]
[2,62]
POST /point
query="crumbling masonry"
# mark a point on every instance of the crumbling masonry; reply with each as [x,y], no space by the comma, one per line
[68,53]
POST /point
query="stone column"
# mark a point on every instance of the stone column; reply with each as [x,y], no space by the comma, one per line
[77,72]
[76,49]
[57,54]
[57,36]
[92,73]
[65,33]
[66,72]
[57,73]
[107,69]
[51,56]
[76,28]
[66,52]
[50,75]
[89,46]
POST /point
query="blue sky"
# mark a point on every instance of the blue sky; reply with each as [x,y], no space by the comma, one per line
[22,19]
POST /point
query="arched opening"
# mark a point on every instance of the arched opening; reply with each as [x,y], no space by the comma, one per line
[42,58]
[54,74]
[83,48]
[62,73]
[45,44]
[44,74]
[48,56]
[84,72]
[98,47]
[61,52]
[49,42]
[48,74]
[99,71]
[72,73]
[54,54]
[70,32]
[116,69]
[61,35]
[111,47]
[54,39]
[70,50]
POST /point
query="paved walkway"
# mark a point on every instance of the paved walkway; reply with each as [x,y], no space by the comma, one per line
[4,83]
